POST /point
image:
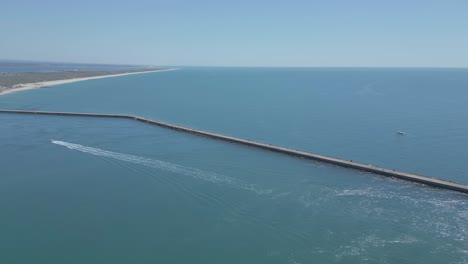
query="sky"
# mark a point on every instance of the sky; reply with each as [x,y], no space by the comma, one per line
[302,33]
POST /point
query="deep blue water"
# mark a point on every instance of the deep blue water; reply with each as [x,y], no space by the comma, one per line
[123,192]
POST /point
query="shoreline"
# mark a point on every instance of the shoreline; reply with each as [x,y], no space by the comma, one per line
[37,85]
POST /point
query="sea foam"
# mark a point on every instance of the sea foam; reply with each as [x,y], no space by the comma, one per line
[166,166]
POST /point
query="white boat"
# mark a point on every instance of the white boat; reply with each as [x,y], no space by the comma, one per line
[401,133]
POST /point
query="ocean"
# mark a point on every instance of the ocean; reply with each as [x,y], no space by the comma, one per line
[75,190]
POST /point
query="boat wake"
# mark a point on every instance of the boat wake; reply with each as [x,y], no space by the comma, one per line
[166,166]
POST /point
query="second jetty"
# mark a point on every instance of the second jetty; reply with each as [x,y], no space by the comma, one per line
[435,182]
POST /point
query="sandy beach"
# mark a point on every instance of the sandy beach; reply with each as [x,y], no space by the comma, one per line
[36,85]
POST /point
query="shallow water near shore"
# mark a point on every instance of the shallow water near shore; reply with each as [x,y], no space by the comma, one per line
[120,191]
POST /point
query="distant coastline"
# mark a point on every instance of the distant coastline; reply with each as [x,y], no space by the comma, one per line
[62,78]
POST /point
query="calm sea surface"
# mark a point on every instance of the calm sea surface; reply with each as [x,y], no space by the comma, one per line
[88,190]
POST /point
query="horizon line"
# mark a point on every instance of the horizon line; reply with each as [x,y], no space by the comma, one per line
[228,66]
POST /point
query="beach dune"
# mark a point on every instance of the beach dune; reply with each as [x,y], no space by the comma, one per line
[35,85]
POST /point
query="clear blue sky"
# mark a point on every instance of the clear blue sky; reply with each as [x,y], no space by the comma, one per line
[408,33]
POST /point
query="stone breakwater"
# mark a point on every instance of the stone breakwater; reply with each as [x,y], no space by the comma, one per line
[430,181]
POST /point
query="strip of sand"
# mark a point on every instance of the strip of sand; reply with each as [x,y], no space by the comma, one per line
[36,85]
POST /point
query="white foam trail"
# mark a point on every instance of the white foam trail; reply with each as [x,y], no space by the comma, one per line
[164,165]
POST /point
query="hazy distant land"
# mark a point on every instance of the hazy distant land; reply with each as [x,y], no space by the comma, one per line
[15,81]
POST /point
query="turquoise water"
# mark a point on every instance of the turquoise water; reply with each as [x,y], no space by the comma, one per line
[122,192]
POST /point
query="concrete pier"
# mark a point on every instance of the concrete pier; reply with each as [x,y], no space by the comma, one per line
[297,153]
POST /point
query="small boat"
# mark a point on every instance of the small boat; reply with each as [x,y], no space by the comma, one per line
[401,133]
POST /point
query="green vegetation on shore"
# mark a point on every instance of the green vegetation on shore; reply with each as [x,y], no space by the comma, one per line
[10,81]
